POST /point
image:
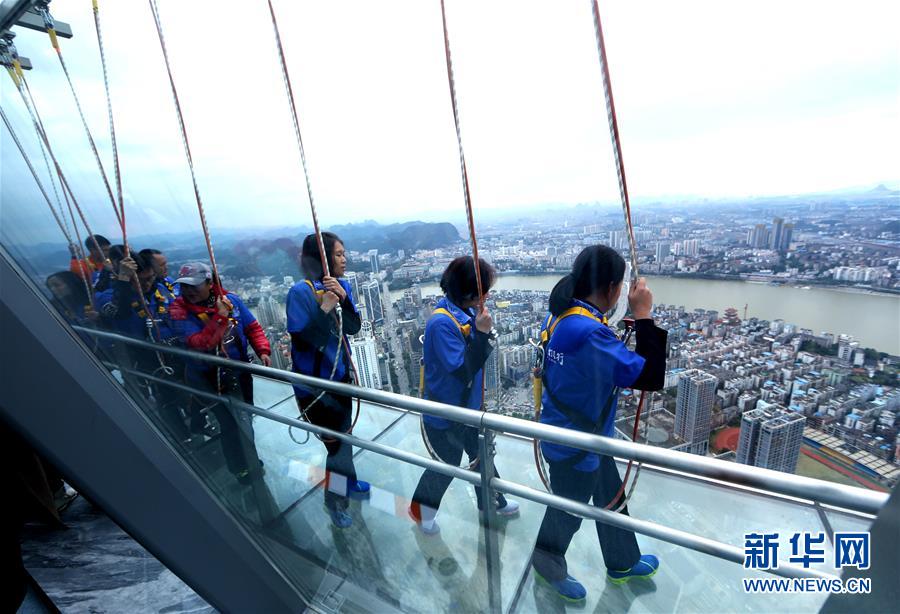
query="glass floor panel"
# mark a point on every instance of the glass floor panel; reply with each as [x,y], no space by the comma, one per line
[688,581]
[270,392]
[847,522]
[384,554]
[293,468]
[384,551]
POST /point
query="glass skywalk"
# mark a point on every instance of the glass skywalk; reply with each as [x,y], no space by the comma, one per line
[385,555]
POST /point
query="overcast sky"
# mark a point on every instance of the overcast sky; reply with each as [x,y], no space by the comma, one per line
[714,98]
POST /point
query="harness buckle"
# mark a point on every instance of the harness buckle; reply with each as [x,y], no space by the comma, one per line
[537,358]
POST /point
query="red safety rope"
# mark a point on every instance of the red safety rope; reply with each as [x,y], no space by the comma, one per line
[626,205]
[43,149]
[296,122]
[11,60]
[187,148]
[470,217]
[626,209]
[54,41]
[342,345]
[62,178]
[34,174]
[112,126]
[614,134]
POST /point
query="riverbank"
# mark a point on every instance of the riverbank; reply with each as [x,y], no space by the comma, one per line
[872,318]
[802,284]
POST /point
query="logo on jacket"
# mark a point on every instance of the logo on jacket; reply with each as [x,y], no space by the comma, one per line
[557,357]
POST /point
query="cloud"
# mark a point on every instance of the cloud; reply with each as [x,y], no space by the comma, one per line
[714,98]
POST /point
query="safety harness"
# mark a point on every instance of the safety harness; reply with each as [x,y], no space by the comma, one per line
[465,330]
[539,383]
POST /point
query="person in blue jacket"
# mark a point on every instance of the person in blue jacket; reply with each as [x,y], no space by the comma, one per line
[455,350]
[585,364]
[123,311]
[161,265]
[120,305]
[316,345]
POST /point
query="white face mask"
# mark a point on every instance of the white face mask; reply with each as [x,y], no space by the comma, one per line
[622,304]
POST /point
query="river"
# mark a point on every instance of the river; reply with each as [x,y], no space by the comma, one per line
[873,319]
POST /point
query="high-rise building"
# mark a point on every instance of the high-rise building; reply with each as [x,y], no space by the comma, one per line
[363,310]
[373,261]
[786,236]
[771,438]
[365,355]
[412,298]
[371,292]
[662,251]
[492,375]
[693,409]
[270,313]
[691,247]
[618,239]
[775,237]
[846,347]
[353,278]
[758,236]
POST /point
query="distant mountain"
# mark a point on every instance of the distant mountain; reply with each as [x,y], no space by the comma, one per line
[882,189]
[279,257]
[407,236]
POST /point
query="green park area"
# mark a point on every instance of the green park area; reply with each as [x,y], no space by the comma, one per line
[812,468]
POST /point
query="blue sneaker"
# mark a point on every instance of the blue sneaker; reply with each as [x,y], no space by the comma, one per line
[646,567]
[339,518]
[358,489]
[568,588]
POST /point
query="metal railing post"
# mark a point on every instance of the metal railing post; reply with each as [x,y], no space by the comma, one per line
[486,450]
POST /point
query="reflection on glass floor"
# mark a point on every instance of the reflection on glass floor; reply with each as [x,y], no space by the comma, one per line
[384,555]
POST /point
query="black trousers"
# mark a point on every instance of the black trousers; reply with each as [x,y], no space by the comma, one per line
[620,549]
[335,412]
[449,445]
[236,427]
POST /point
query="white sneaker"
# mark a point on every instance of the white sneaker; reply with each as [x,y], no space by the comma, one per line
[426,525]
[510,509]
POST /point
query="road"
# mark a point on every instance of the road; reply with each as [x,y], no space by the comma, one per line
[390,333]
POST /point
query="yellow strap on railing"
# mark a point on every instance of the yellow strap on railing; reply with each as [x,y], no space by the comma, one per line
[465,329]
[422,380]
[17,65]
[538,389]
[96,7]
[53,39]
[13,76]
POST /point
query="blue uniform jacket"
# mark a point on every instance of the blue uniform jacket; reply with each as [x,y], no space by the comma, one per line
[304,314]
[584,362]
[444,353]
[121,306]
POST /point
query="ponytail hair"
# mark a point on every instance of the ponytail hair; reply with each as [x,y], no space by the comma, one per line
[597,267]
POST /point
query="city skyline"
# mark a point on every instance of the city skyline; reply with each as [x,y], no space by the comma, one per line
[380,138]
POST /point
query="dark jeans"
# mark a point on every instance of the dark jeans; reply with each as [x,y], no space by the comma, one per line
[620,549]
[449,445]
[333,411]
[235,426]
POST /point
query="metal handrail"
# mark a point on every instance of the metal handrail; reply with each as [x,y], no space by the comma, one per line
[838,495]
[678,537]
